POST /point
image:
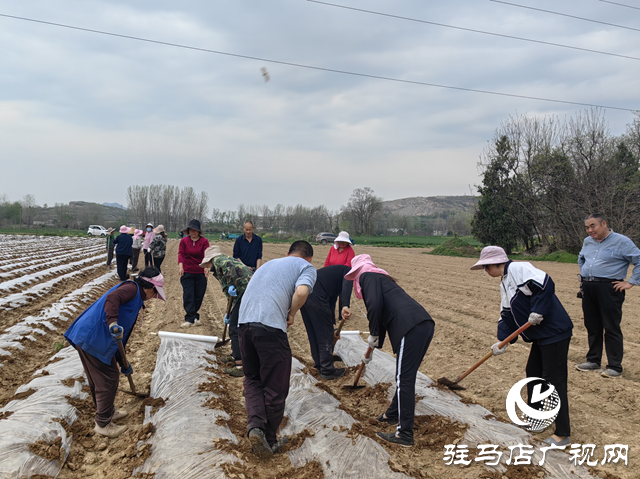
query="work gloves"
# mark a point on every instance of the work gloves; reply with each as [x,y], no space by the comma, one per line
[498,351]
[116,331]
[535,319]
[232,291]
[366,359]
[373,341]
[128,371]
[227,319]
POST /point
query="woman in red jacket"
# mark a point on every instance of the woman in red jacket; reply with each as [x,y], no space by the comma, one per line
[342,252]
[192,277]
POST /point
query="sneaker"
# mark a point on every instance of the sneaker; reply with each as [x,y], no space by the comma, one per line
[388,420]
[259,443]
[186,324]
[119,414]
[196,322]
[235,371]
[337,373]
[110,430]
[588,366]
[392,438]
[611,373]
[552,442]
[276,446]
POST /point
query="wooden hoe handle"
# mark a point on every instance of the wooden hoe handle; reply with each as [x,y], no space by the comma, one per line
[511,337]
[361,370]
[337,333]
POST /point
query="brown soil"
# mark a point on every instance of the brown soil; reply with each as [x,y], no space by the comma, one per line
[49,450]
[465,305]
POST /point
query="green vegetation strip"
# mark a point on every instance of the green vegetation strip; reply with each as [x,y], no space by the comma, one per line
[409,241]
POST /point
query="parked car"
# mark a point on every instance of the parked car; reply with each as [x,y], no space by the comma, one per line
[325,238]
[97,230]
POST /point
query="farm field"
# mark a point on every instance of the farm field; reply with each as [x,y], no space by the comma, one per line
[463,303]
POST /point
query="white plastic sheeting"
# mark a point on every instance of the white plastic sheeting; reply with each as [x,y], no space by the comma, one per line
[482,428]
[184,430]
[311,408]
[37,418]
[181,445]
[32,325]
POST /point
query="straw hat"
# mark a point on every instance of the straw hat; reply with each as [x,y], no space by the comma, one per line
[159,229]
[210,253]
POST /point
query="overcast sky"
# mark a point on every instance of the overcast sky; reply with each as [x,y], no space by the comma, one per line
[83,116]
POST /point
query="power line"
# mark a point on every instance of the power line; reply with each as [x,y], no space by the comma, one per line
[472,30]
[621,4]
[311,67]
[565,15]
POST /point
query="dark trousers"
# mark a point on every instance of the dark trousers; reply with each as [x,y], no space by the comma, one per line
[602,308]
[266,361]
[233,330]
[193,288]
[121,263]
[319,321]
[148,259]
[549,362]
[412,349]
[103,382]
[135,256]
[157,262]
[110,254]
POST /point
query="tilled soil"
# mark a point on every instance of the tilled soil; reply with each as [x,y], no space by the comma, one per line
[465,306]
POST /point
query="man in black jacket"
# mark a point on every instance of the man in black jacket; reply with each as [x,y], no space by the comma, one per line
[318,314]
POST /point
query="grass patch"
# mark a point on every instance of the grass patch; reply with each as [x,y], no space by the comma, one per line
[43,231]
[57,346]
[557,256]
[455,247]
[409,241]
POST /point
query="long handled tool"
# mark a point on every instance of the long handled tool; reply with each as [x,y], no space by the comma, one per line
[125,365]
[360,371]
[337,333]
[226,326]
[454,386]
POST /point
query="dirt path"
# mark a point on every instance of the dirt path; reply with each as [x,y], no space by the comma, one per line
[465,306]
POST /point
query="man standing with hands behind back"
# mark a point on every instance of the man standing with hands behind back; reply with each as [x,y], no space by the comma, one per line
[604,261]
[248,247]
[274,295]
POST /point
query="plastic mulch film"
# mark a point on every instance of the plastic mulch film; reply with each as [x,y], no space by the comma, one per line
[61,310]
[38,416]
[311,408]
[483,427]
[181,445]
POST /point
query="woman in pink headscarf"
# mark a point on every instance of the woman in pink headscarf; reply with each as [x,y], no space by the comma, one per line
[391,310]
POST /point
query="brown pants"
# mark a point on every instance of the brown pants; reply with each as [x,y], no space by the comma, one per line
[135,254]
[103,381]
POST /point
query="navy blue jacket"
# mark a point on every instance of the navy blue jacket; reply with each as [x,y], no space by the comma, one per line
[525,290]
[123,243]
[248,253]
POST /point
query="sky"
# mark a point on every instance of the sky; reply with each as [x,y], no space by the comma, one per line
[85,115]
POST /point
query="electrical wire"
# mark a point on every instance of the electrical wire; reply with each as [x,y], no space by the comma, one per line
[473,30]
[566,15]
[621,4]
[311,67]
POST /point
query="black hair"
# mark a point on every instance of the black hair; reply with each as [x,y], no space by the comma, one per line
[596,216]
[303,248]
[250,222]
[150,272]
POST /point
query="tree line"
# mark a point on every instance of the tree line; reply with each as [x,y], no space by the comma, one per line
[542,176]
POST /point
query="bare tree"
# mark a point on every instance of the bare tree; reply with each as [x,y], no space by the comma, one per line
[362,208]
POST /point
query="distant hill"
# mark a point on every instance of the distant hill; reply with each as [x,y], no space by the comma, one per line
[428,206]
[115,205]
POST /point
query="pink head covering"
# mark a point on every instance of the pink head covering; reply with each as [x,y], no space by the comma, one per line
[361,264]
[124,229]
[491,255]
[158,282]
[136,234]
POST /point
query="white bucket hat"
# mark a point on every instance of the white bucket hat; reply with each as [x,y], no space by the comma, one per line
[491,255]
[343,237]
[210,253]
